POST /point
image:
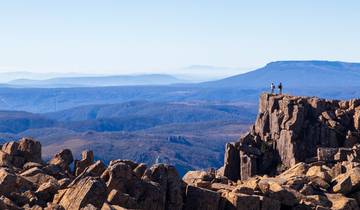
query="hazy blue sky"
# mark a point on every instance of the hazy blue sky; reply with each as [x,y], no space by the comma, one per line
[118,36]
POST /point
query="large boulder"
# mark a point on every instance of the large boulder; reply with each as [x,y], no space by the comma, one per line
[348,182]
[18,153]
[119,176]
[86,160]
[63,159]
[122,199]
[140,170]
[299,169]
[5,159]
[199,178]
[47,190]
[11,182]
[8,182]
[237,201]
[201,199]
[340,202]
[37,176]
[30,150]
[89,190]
[170,182]
[148,194]
[276,191]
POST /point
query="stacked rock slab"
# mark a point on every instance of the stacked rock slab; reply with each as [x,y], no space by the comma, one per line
[290,129]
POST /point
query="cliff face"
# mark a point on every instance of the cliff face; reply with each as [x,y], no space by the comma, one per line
[301,153]
[290,129]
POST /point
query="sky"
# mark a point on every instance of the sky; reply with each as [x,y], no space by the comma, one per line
[122,37]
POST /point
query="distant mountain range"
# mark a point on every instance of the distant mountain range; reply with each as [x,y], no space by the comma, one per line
[316,78]
[6,77]
[99,81]
[190,74]
[293,74]
[296,74]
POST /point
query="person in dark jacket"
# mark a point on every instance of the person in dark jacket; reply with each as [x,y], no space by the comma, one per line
[280,87]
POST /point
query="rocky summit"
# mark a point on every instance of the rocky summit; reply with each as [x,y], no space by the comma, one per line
[301,153]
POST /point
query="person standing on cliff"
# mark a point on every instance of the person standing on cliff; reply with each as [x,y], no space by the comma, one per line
[280,87]
[272,88]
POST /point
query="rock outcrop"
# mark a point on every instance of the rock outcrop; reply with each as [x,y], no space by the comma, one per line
[301,153]
[27,182]
[289,130]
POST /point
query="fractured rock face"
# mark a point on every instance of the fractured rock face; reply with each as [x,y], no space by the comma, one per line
[87,191]
[310,147]
[290,129]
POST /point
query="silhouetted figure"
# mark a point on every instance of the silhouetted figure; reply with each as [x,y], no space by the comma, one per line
[280,87]
[272,88]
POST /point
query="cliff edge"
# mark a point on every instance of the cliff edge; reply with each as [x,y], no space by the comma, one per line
[301,153]
[289,130]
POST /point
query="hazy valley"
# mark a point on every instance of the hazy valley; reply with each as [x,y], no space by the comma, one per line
[180,134]
[182,124]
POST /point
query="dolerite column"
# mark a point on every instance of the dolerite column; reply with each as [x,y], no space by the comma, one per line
[232,162]
[248,165]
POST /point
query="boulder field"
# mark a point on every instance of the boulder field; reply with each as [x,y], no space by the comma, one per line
[301,153]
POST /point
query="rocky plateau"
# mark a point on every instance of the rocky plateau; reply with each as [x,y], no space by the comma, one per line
[301,153]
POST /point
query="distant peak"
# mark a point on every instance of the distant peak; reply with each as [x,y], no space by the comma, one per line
[324,64]
[307,62]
